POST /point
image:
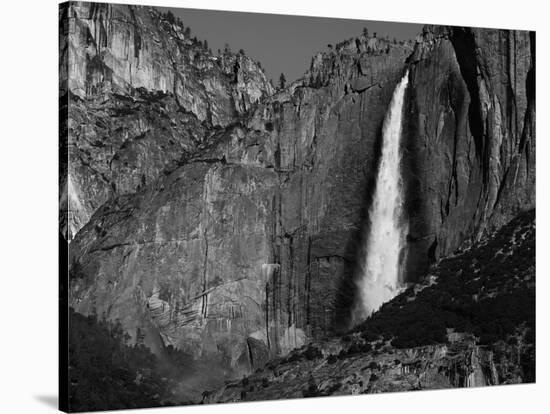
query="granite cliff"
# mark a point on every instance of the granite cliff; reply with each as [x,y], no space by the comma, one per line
[470,139]
[140,96]
[213,214]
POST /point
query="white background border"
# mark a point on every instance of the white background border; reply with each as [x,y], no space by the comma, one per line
[28,203]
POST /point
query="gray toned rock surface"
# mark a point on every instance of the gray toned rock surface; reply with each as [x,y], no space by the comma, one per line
[470,138]
[142,95]
[217,215]
[368,360]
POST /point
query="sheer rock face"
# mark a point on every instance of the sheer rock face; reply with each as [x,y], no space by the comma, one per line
[249,226]
[140,96]
[121,48]
[470,139]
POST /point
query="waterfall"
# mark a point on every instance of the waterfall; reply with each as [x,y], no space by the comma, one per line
[380,278]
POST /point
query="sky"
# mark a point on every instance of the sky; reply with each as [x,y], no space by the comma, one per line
[282,43]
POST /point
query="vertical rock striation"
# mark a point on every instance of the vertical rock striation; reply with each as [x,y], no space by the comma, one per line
[470,144]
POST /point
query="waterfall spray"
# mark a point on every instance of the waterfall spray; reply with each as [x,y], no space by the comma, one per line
[380,278]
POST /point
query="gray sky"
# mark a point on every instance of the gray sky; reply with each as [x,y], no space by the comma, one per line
[282,43]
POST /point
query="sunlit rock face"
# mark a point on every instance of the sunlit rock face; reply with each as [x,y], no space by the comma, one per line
[120,48]
[210,220]
[141,97]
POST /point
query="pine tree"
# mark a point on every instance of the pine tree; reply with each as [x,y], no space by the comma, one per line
[282,81]
[170,17]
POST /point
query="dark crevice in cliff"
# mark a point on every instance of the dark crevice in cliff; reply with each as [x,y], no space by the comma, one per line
[531,91]
[455,98]
[267,315]
[272,308]
[511,86]
[290,279]
[531,99]
[502,186]
[465,49]
[307,285]
[221,160]
[432,252]
[205,275]
[136,31]
[112,246]
[453,182]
